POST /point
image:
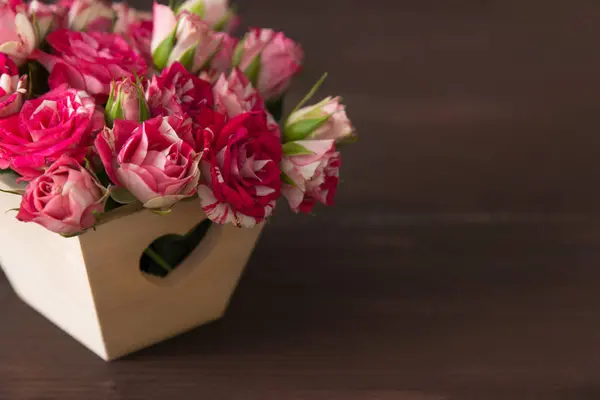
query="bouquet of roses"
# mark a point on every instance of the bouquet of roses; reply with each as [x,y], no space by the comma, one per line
[103,106]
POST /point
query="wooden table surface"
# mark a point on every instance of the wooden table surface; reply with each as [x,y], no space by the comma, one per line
[462,259]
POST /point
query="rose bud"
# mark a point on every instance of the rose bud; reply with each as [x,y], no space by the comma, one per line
[151,160]
[48,17]
[91,15]
[234,95]
[310,173]
[64,199]
[270,60]
[17,37]
[325,120]
[125,16]
[222,61]
[185,39]
[126,102]
[12,88]
[63,121]
[240,169]
[216,13]
[89,61]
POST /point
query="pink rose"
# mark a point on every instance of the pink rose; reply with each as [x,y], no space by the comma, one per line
[63,121]
[240,169]
[12,88]
[151,160]
[64,199]
[91,15]
[17,33]
[175,91]
[185,39]
[89,61]
[270,60]
[234,95]
[311,173]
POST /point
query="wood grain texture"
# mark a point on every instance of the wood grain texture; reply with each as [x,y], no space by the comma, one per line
[461,261]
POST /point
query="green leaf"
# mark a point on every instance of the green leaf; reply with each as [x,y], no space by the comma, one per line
[36,29]
[301,129]
[111,95]
[162,212]
[144,109]
[347,140]
[71,235]
[169,251]
[311,93]
[287,179]
[122,195]
[253,70]
[220,26]
[238,53]
[18,192]
[163,51]
[187,59]
[197,8]
[295,149]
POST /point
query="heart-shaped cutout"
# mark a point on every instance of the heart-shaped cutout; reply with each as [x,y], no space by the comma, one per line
[169,251]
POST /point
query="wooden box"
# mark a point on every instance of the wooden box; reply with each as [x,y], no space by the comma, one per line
[91,286]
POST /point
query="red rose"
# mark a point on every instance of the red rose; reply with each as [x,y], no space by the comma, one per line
[240,170]
[89,61]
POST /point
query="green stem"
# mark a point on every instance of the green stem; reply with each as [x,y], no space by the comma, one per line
[310,94]
[158,259]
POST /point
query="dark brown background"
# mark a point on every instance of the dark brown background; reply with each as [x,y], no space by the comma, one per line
[461,261]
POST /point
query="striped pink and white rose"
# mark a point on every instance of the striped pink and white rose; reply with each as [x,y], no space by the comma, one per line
[240,169]
[47,17]
[216,13]
[151,160]
[13,88]
[311,171]
[184,38]
[91,16]
[176,91]
[235,95]
[18,38]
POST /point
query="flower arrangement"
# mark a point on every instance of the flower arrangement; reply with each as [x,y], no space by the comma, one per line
[106,107]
